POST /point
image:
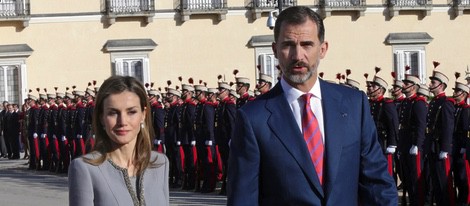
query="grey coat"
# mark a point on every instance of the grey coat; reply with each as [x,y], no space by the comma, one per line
[105,184]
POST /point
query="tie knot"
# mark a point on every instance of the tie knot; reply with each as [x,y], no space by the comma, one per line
[307,97]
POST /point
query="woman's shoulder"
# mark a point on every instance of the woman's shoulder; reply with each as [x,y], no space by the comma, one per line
[158,157]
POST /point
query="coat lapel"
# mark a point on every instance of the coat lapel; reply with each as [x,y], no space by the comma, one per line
[334,116]
[284,126]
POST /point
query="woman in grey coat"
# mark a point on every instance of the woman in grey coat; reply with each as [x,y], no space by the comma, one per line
[122,169]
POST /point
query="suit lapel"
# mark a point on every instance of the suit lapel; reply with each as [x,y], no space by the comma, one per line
[334,116]
[284,126]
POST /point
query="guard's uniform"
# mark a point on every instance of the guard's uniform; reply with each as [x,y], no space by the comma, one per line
[173,148]
[61,132]
[44,152]
[52,136]
[187,136]
[88,131]
[460,165]
[33,136]
[158,117]
[79,128]
[225,118]
[412,125]
[440,127]
[205,141]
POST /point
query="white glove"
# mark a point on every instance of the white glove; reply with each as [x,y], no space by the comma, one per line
[442,155]
[157,142]
[43,135]
[414,150]
[63,138]
[178,143]
[79,136]
[208,142]
[193,143]
[390,150]
[462,150]
[35,135]
[54,137]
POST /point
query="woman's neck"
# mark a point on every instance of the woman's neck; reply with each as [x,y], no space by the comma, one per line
[124,157]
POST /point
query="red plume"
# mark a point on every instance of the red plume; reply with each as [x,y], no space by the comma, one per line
[338,76]
[177,87]
[348,72]
[366,75]
[407,67]
[219,77]
[394,75]
[168,82]
[190,80]
[67,88]
[30,90]
[457,75]
[37,89]
[205,84]
[147,85]
[166,89]
[321,74]
[73,87]
[55,88]
[45,90]
[180,78]
[231,83]
[200,81]
[435,64]
[159,89]
[89,83]
[343,76]
[94,82]
[235,72]
[377,70]
[151,84]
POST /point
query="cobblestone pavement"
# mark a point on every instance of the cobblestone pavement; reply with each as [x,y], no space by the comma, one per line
[20,186]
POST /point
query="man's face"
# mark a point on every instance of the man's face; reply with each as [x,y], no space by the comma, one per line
[299,51]
[434,85]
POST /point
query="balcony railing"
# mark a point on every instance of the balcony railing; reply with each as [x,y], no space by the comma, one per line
[328,6]
[459,6]
[190,7]
[265,6]
[15,10]
[130,8]
[423,6]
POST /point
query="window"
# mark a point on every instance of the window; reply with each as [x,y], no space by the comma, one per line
[409,49]
[13,82]
[264,56]
[130,57]
[268,65]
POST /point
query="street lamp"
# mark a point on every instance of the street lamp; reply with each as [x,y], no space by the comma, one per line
[273,14]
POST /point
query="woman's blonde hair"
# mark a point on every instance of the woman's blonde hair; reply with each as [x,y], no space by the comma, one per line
[103,145]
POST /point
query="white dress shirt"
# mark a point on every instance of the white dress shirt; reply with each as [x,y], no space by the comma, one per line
[296,103]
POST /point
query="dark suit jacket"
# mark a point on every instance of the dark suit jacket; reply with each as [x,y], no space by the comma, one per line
[269,162]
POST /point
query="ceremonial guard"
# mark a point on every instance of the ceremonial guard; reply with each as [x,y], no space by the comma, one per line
[70,121]
[224,125]
[242,87]
[188,140]
[440,127]
[412,125]
[33,127]
[385,116]
[158,117]
[397,92]
[43,140]
[460,165]
[205,140]
[79,123]
[52,127]
[265,83]
[172,137]
[90,107]
[351,82]
[61,133]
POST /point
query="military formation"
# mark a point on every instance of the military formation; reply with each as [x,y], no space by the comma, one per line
[424,133]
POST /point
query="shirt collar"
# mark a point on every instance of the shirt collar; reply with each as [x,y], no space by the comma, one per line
[292,94]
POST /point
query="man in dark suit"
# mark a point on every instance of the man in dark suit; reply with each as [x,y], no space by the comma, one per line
[272,160]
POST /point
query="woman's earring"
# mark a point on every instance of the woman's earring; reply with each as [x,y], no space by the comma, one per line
[142,125]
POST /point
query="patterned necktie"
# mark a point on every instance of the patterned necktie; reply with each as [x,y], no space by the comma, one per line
[312,136]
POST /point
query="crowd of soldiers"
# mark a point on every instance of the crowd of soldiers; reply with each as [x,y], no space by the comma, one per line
[423,132]
[192,126]
[424,135]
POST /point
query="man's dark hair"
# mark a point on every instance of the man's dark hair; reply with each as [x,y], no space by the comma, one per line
[298,15]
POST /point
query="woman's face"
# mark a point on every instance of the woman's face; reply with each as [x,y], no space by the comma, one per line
[122,116]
